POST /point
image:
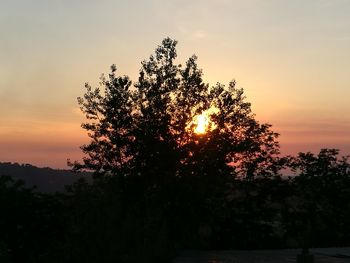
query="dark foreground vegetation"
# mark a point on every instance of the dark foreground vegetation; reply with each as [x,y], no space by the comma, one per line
[159,187]
[116,219]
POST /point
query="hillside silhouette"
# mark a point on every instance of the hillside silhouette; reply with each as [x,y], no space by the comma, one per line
[44,179]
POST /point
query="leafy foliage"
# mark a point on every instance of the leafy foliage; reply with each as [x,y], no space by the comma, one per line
[150,125]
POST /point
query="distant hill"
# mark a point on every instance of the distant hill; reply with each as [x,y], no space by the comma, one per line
[45,179]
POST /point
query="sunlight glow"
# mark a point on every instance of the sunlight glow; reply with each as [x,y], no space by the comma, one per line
[202,124]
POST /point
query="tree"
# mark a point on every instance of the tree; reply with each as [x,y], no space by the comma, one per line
[171,133]
[322,191]
[150,126]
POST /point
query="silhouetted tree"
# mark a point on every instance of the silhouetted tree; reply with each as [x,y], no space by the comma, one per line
[149,126]
[321,200]
[143,135]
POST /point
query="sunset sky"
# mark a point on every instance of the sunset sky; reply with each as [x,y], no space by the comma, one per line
[291,57]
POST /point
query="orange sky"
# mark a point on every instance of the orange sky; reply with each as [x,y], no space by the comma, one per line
[291,57]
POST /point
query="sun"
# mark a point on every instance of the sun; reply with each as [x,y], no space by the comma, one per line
[201,124]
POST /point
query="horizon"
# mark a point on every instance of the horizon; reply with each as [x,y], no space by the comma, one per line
[291,58]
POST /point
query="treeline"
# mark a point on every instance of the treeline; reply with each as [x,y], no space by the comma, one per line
[122,219]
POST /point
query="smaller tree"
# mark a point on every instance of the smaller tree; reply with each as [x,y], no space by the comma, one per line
[321,192]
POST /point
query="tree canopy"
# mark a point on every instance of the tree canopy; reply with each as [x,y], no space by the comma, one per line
[151,124]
